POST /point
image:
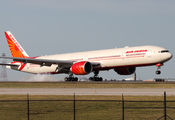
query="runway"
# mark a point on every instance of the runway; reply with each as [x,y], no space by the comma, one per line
[87,91]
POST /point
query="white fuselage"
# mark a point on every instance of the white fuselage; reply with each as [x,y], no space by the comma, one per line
[108,59]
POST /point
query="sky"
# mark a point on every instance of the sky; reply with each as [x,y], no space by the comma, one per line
[46,27]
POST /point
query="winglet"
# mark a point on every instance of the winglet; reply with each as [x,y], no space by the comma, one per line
[15,47]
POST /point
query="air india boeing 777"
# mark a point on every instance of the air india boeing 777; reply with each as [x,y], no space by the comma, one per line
[123,60]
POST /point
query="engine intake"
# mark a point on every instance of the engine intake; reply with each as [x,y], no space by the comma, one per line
[125,71]
[81,68]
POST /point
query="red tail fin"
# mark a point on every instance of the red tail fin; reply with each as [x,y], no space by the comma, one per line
[15,47]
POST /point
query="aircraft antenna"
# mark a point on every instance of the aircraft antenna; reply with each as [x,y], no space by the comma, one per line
[3,76]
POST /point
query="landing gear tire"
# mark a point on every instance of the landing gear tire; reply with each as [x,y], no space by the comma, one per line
[66,79]
[70,79]
[158,72]
[96,78]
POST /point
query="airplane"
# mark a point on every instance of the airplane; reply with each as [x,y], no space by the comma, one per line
[122,60]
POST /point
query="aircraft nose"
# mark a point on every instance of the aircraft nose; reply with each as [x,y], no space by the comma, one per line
[169,56]
[166,56]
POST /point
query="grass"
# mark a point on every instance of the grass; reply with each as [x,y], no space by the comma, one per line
[85,110]
[15,106]
[85,85]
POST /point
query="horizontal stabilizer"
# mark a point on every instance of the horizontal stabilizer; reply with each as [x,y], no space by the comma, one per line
[8,64]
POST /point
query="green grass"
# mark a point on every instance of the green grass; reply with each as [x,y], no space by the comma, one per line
[84,85]
[85,110]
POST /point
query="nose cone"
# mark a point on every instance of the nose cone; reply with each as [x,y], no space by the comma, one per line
[168,56]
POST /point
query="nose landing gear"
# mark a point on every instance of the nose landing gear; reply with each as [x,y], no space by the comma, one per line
[158,67]
[158,72]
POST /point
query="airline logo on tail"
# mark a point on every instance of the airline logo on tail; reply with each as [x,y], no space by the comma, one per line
[15,47]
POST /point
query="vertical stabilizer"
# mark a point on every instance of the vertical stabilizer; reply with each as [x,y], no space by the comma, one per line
[15,47]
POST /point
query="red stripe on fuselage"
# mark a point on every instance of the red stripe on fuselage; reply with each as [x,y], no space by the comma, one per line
[22,66]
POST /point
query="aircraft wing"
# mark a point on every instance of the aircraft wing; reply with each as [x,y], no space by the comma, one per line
[45,62]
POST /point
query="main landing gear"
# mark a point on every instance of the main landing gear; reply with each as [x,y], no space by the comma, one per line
[96,78]
[158,72]
[70,78]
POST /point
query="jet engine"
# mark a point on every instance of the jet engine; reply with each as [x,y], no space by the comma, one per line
[125,71]
[81,68]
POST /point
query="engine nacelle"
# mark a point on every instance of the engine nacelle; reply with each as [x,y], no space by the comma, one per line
[125,71]
[81,68]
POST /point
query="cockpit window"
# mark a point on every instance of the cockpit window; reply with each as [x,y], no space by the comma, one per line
[163,51]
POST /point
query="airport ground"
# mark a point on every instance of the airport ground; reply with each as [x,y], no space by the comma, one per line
[85,109]
[88,84]
[87,88]
[44,107]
